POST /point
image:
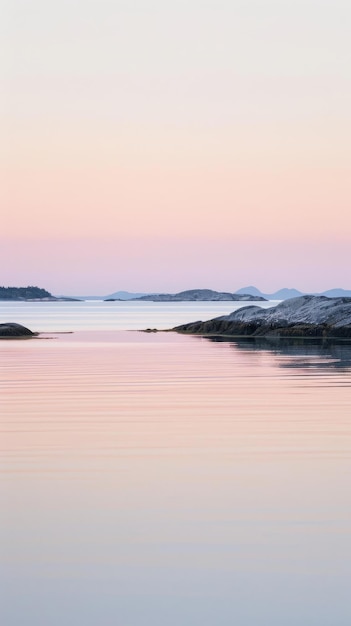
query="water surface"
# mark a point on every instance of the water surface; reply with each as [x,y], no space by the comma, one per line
[126,315]
[165,479]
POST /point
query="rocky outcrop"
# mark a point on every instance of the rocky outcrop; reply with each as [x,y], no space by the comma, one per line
[10,329]
[199,295]
[306,316]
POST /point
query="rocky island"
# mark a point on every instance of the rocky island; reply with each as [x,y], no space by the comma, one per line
[305,316]
[30,294]
[199,295]
[15,331]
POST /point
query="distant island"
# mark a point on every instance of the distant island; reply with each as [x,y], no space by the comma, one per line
[305,316]
[199,295]
[244,293]
[30,294]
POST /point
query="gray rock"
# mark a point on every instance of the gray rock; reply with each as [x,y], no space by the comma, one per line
[306,316]
[10,329]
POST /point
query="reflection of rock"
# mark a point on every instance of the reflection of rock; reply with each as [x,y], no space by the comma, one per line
[306,316]
[200,295]
[10,329]
[305,352]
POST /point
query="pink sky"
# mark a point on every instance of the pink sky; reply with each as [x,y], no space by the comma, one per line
[159,149]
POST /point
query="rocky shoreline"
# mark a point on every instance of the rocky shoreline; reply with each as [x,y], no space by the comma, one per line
[305,316]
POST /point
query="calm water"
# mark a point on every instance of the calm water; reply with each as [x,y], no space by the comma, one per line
[158,479]
[99,315]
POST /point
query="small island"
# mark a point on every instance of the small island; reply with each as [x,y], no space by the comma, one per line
[11,330]
[200,295]
[30,294]
[305,316]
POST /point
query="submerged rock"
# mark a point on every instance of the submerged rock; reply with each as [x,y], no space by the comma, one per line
[306,316]
[11,329]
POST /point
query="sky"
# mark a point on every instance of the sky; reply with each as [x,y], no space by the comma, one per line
[162,146]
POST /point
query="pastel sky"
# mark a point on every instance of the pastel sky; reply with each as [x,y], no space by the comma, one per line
[157,146]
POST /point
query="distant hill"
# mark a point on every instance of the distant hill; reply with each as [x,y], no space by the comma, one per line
[337,293]
[285,294]
[118,295]
[253,291]
[125,295]
[281,294]
[202,295]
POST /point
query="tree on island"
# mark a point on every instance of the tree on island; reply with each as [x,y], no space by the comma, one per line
[23,293]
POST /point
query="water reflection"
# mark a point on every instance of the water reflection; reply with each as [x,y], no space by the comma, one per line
[304,353]
[167,479]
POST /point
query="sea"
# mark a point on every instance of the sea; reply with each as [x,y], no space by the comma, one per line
[161,479]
